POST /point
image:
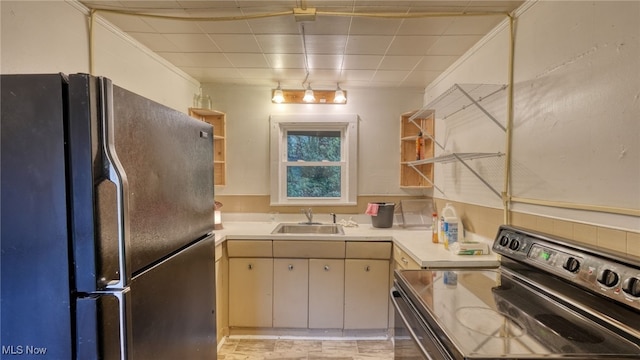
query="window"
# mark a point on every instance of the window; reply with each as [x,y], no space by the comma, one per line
[313,159]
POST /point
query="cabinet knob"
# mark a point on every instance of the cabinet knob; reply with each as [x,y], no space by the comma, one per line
[250,266]
[290,267]
[367,268]
[404,260]
[326,268]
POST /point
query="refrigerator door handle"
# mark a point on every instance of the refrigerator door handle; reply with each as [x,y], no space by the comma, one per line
[116,174]
[124,332]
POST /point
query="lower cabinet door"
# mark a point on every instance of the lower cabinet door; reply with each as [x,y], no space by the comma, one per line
[250,292]
[326,293]
[290,293]
[366,294]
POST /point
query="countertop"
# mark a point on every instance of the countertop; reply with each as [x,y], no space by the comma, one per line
[415,242]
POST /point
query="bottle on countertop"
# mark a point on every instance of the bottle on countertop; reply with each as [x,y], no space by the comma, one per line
[434,228]
[450,225]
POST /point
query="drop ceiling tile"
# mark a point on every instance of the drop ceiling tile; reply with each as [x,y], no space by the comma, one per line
[167,26]
[155,42]
[374,26]
[213,60]
[213,73]
[327,25]
[244,60]
[390,75]
[368,45]
[280,43]
[236,43]
[191,42]
[325,44]
[357,75]
[225,27]
[283,61]
[361,62]
[128,23]
[253,73]
[436,62]
[453,45]
[425,26]
[473,25]
[411,45]
[318,77]
[290,76]
[324,61]
[274,25]
[399,62]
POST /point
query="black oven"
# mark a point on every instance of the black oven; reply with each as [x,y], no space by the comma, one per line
[548,299]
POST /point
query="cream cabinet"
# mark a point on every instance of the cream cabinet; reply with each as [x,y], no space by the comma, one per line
[366,285]
[222,289]
[250,292]
[403,261]
[250,283]
[366,293]
[290,293]
[326,293]
[308,284]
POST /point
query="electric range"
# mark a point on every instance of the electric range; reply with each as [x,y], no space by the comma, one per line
[550,298]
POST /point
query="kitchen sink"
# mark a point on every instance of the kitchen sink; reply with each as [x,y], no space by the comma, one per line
[306,228]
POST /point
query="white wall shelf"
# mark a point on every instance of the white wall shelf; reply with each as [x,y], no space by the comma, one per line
[457,98]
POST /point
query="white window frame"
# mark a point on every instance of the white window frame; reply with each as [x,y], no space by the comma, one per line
[347,124]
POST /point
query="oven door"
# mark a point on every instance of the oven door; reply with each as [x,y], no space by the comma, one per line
[412,337]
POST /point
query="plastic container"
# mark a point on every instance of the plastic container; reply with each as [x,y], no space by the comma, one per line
[384,219]
[450,225]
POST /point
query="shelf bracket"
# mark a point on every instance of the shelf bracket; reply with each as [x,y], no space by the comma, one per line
[480,107]
[426,133]
[426,178]
[477,175]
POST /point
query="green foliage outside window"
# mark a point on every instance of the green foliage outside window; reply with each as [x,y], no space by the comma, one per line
[323,181]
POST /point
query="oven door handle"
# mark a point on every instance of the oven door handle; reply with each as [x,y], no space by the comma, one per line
[414,336]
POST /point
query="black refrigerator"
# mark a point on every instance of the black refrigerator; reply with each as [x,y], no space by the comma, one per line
[107,219]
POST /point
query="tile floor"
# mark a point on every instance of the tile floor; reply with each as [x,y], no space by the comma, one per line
[287,349]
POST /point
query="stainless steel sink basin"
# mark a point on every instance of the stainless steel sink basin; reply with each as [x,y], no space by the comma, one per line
[302,228]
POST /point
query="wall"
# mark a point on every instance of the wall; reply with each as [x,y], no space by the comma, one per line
[53,36]
[576,135]
[248,109]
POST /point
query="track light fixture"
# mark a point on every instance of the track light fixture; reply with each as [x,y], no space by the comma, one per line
[339,96]
[308,95]
[278,95]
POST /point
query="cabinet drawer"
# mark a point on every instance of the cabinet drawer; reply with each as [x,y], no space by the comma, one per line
[249,248]
[368,250]
[403,260]
[308,249]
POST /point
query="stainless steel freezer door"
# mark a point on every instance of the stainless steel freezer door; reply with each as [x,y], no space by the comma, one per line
[167,158]
[173,306]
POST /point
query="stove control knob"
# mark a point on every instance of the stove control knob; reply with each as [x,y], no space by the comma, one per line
[631,286]
[572,264]
[514,245]
[504,240]
[608,278]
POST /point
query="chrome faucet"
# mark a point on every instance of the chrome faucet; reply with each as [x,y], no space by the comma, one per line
[309,214]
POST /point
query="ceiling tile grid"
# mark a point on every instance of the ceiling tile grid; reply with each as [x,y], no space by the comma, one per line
[339,46]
